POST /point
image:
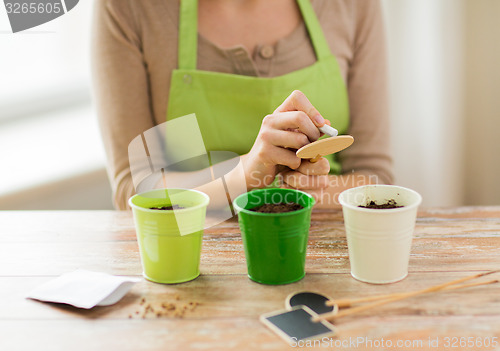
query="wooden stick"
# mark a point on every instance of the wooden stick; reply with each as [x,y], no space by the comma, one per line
[394,298]
[398,297]
[350,302]
[461,286]
[315,159]
[163,178]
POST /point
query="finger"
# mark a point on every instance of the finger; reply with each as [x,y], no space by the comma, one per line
[322,167]
[281,168]
[286,139]
[284,157]
[297,101]
[296,120]
[301,181]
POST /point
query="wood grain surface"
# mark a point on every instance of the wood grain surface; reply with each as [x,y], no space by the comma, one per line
[325,146]
[220,310]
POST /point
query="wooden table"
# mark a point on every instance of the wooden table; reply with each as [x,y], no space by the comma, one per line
[38,246]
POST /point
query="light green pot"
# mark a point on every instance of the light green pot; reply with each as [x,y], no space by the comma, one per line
[170,240]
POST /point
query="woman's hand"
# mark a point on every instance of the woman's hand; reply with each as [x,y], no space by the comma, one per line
[309,176]
[292,125]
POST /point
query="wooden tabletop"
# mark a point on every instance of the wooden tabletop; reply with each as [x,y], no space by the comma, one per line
[220,309]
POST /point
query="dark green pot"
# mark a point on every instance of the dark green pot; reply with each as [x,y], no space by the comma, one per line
[275,243]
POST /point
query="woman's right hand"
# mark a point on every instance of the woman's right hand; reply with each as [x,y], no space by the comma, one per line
[292,125]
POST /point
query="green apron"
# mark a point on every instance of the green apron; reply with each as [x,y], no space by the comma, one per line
[230,108]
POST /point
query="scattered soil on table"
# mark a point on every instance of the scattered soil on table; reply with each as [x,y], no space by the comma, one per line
[168,208]
[277,208]
[389,204]
[173,308]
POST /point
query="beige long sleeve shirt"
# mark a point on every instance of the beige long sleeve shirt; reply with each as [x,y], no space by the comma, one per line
[135,51]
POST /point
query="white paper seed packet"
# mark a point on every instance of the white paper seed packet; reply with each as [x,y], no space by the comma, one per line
[84,289]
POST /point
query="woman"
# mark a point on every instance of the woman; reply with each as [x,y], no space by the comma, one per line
[270,70]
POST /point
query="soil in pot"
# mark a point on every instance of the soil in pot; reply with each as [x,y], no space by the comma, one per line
[389,204]
[167,208]
[277,208]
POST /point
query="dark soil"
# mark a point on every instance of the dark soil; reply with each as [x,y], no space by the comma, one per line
[277,208]
[167,208]
[389,204]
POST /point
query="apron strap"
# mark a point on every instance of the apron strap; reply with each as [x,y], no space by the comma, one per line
[314,28]
[188,34]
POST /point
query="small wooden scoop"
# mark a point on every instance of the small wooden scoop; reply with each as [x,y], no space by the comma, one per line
[327,146]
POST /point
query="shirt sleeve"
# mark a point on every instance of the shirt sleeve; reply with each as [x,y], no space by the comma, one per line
[121,91]
[367,90]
